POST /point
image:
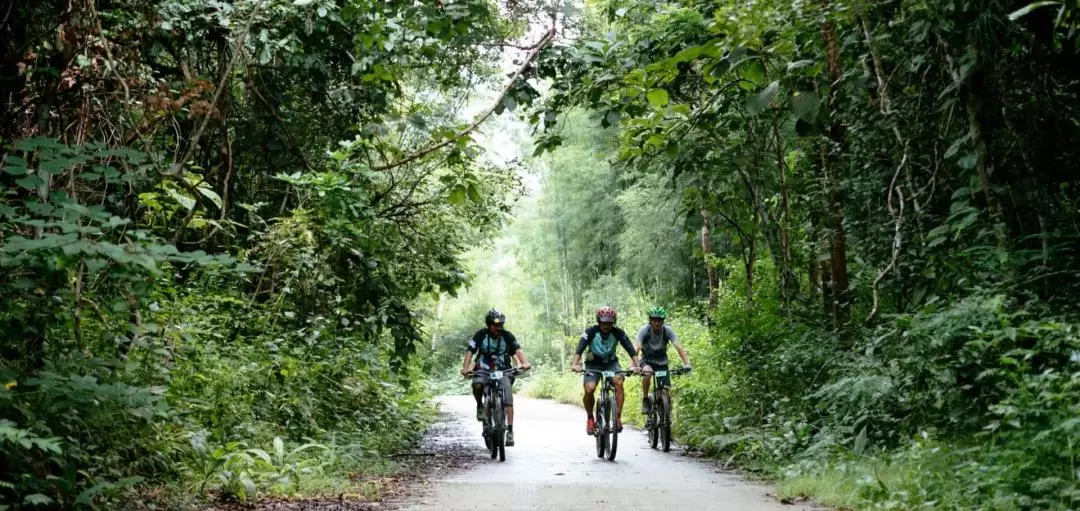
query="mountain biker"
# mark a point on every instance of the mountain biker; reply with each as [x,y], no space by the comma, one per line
[494,347]
[600,340]
[652,341]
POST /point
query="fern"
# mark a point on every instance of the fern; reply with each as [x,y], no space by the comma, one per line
[37,499]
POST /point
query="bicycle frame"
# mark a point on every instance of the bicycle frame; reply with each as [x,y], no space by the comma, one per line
[607,411]
[658,423]
[495,413]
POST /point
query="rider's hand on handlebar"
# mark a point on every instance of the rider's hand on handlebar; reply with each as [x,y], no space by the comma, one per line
[465,373]
[576,368]
[635,369]
[525,367]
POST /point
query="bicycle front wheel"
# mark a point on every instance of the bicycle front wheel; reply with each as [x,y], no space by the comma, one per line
[612,430]
[489,423]
[500,428]
[601,440]
[654,423]
[665,424]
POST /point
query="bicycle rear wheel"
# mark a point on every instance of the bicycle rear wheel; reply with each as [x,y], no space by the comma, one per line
[665,424]
[601,441]
[500,428]
[613,442]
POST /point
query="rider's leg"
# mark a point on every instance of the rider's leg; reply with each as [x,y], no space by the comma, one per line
[508,405]
[645,384]
[589,400]
[618,381]
[508,399]
[478,394]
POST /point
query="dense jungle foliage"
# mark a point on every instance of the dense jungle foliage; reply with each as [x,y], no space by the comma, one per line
[221,223]
[865,215]
[237,238]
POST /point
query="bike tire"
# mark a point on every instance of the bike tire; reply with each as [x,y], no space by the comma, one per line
[665,427]
[654,424]
[493,449]
[613,441]
[601,441]
[500,428]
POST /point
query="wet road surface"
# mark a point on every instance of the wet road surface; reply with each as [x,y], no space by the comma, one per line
[554,466]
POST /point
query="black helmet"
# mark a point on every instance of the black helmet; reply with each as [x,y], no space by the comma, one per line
[493,316]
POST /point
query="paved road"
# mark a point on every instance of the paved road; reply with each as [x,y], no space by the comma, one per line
[554,466]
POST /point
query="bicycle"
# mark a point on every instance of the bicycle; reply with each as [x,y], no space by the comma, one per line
[495,423]
[658,422]
[607,410]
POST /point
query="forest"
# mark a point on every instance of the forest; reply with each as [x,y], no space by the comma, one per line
[243,242]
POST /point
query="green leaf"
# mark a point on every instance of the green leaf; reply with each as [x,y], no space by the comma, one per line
[458,195]
[806,105]
[1023,11]
[187,202]
[968,161]
[510,102]
[658,98]
[30,182]
[612,118]
[37,499]
[763,99]
[806,128]
[279,448]
[212,195]
[799,64]
[860,442]
[753,71]
[688,54]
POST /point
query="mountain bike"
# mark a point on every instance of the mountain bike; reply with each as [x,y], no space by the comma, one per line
[658,423]
[494,414]
[607,410]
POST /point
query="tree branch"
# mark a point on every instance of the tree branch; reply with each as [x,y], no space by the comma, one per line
[470,128]
[178,165]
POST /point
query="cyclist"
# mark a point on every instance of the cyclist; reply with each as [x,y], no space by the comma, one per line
[652,341]
[494,347]
[600,340]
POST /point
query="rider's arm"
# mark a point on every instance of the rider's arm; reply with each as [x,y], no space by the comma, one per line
[674,340]
[519,353]
[467,363]
[629,347]
[584,341]
[640,340]
[471,348]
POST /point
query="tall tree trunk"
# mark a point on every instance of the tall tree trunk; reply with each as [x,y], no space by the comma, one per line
[973,105]
[706,250]
[832,166]
[788,282]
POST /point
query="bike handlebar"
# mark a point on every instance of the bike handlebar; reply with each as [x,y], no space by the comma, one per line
[670,372]
[601,373]
[508,372]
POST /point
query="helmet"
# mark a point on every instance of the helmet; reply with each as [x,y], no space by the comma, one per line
[657,312]
[493,316]
[606,315]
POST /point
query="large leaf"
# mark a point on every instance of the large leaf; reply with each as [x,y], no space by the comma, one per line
[187,202]
[1025,10]
[763,99]
[658,98]
[806,105]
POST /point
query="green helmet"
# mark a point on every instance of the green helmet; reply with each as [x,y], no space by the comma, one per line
[657,312]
